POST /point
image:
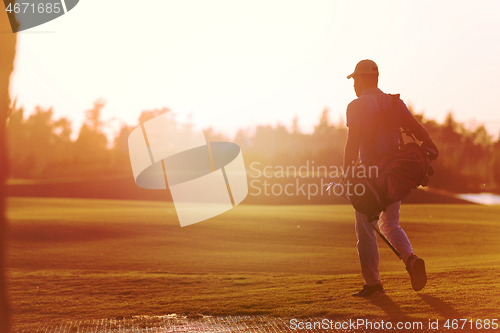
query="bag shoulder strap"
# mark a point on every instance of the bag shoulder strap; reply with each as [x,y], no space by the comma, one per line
[395,109]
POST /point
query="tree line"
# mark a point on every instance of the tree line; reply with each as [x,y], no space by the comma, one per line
[41,147]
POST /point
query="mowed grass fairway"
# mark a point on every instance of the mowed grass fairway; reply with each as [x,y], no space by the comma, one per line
[73,259]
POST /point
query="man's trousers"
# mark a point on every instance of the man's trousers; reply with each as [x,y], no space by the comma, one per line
[367,241]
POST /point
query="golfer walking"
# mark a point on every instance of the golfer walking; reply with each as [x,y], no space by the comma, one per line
[360,118]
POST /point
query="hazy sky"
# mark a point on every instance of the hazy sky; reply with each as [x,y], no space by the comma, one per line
[236,64]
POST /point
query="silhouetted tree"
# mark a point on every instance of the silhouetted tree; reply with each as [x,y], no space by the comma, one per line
[328,141]
[150,114]
[41,147]
[496,162]
[91,154]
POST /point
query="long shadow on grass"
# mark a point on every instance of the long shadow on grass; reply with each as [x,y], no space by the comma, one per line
[440,306]
[387,305]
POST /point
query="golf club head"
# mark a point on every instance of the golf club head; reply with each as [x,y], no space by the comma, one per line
[430,152]
[330,185]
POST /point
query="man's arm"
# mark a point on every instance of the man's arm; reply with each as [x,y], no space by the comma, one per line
[351,150]
[419,132]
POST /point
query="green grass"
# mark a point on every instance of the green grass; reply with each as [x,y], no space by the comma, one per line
[88,259]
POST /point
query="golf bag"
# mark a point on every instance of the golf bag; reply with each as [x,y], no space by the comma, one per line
[405,168]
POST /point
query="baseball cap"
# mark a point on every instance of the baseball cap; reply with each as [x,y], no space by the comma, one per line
[365,67]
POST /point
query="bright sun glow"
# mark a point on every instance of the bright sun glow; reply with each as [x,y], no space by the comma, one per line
[239,64]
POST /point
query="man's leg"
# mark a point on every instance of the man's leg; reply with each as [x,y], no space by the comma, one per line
[367,250]
[389,227]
